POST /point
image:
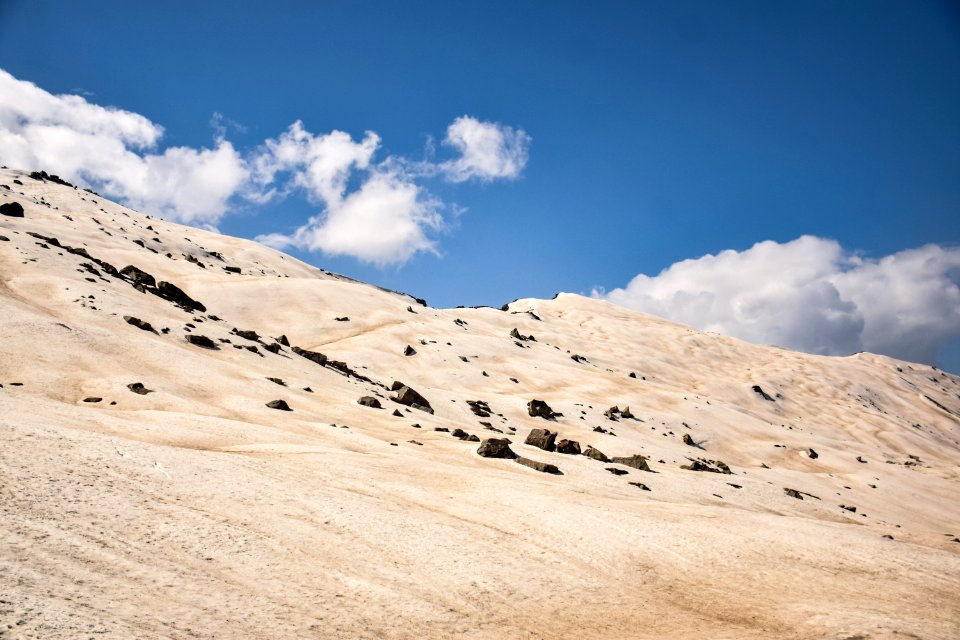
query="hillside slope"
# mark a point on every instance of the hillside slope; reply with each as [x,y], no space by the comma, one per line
[189,508]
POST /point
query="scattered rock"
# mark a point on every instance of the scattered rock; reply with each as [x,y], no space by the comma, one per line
[12,209]
[569,447]
[273,347]
[140,324]
[396,413]
[636,461]
[812,454]
[793,493]
[687,440]
[861,460]
[579,359]
[641,485]
[711,466]
[516,334]
[139,278]
[539,466]
[246,335]
[138,388]
[232,269]
[633,375]
[409,397]
[496,448]
[280,405]
[369,401]
[176,295]
[314,356]
[342,319]
[409,351]
[283,340]
[617,472]
[540,409]
[479,408]
[542,439]
[93,399]
[277,381]
[762,393]
[596,454]
[202,341]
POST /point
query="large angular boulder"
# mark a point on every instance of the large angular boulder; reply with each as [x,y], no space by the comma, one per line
[542,439]
[12,209]
[569,447]
[635,461]
[407,396]
[138,277]
[540,409]
[595,454]
[313,356]
[280,405]
[496,448]
[176,295]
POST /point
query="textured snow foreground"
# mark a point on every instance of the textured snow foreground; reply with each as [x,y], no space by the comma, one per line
[185,507]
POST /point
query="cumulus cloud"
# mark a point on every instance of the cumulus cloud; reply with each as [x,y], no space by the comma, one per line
[372,210]
[385,220]
[115,151]
[812,295]
[488,150]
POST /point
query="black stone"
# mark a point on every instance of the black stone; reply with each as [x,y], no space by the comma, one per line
[138,388]
[279,405]
[12,209]
[542,439]
[198,340]
[539,466]
[140,324]
[496,448]
[370,401]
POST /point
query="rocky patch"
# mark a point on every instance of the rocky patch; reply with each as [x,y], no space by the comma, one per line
[540,409]
[496,448]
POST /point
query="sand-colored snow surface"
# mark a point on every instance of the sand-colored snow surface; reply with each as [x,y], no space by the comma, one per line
[196,511]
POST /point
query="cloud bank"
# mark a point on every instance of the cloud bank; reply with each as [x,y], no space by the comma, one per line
[374,211]
[812,295]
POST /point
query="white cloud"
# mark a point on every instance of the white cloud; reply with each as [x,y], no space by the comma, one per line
[810,294]
[488,150]
[385,220]
[111,149]
[373,211]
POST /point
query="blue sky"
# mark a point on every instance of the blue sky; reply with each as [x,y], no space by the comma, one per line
[656,132]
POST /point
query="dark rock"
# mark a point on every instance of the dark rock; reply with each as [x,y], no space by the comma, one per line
[277,381]
[633,375]
[93,399]
[569,447]
[308,389]
[687,440]
[539,466]
[636,461]
[496,448]
[641,485]
[813,454]
[232,269]
[542,439]
[762,393]
[540,409]
[473,438]
[176,295]
[4,239]
[202,341]
[396,412]
[272,348]
[596,454]
[519,336]
[710,466]
[600,430]
[441,429]
[851,509]
[409,351]
[617,472]
[140,324]
[579,359]
[343,319]
[246,335]
[861,460]
[12,209]
[460,433]
[138,388]
[283,340]
[793,493]
[314,356]
[479,408]
[279,405]
[137,276]
[370,401]
[409,397]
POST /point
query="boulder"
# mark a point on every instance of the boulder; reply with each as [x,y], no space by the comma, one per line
[813,454]
[314,356]
[283,340]
[280,405]
[409,351]
[617,472]
[763,394]
[636,461]
[542,439]
[176,295]
[570,447]
[640,485]
[496,448]
[140,324]
[409,397]
[539,466]
[137,276]
[272,348]
[246,335]
[277,381]
[460,433]
[12,209]
[369,401]
[687,440]
[793,493]
[93,399]
[540,409]
[138,388]
[202,341]
[595,454]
